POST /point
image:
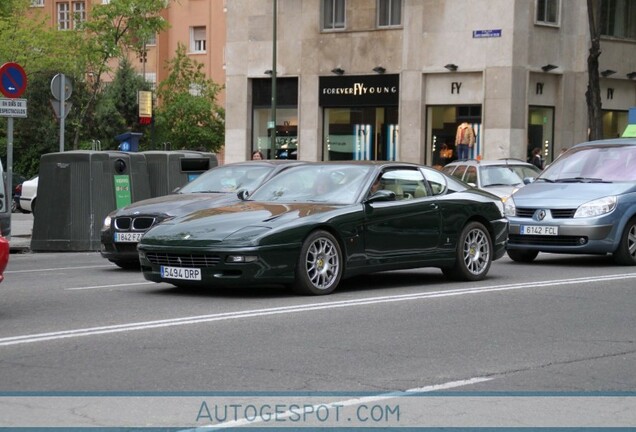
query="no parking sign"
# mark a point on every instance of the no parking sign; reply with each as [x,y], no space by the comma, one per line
[13,80]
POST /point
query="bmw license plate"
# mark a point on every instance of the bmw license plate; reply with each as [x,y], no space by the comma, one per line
[542,230]
[180,273]
[128,237]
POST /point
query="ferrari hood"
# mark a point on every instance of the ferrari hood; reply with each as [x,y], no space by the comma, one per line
[214,225]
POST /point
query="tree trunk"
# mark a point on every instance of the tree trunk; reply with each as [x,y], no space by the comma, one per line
[593,93]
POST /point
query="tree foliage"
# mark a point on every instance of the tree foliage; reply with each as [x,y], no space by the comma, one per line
[188,115]
[112,31]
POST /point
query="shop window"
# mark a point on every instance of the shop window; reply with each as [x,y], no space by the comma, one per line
[548,12]
[442,130]
[389,13]
[361,133]
[614,123]
[333,14]
[285,144]
[618,18]
[541,132]
[197,39]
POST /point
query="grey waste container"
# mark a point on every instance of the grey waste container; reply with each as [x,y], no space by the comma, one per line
[77,189]
[169,170]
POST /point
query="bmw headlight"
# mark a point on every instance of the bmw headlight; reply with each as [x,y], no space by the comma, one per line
[107,222]
[597,207]
[246,234]
[509,206]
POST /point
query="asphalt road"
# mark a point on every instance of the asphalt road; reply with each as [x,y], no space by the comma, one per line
[75,322]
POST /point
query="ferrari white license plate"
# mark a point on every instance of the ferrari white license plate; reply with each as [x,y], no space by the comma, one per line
[543,230]
[128,237]
[180,273]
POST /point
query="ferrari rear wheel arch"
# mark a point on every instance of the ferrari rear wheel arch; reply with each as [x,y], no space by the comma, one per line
[626,252]
[473,255]
[320,264]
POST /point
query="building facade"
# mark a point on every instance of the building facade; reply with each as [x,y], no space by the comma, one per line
[197,24]
[394,79]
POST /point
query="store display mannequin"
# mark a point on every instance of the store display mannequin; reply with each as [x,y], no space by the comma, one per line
[464,140]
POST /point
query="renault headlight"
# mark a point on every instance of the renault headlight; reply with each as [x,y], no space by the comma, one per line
[509,206]
[596,207]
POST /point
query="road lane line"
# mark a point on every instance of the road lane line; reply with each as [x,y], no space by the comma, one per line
[58,268]
[108,286]
[252,313]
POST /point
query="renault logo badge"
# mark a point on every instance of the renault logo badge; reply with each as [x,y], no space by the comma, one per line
[541,214]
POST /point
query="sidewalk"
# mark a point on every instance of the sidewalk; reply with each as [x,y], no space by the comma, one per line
[21,229]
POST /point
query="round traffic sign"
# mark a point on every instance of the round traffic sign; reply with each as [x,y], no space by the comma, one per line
[67,89]
[13,80]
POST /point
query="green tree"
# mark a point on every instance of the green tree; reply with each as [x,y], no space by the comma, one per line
[112,31]
[188,115]
[118,110]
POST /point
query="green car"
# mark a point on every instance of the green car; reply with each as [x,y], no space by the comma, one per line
[316,224]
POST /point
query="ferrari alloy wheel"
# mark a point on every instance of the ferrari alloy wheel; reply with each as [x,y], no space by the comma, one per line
[474,254]
[626,252]
[319,266]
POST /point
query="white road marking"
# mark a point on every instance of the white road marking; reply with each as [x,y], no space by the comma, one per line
[119,328]
[108,286]
[57,269]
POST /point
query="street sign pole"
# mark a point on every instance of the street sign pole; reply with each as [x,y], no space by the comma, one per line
[9,186]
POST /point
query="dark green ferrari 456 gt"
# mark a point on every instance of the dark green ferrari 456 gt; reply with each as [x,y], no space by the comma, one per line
[316,224]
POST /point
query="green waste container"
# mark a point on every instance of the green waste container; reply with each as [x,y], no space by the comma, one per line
[169,170]
[77,189]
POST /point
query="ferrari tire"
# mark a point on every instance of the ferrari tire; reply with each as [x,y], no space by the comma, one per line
[473,254]
[319,267]
[127,265]
[522,256]
[626,252]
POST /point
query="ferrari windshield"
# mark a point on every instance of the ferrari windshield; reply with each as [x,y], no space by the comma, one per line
[328,183]
[228,179]
[594,164]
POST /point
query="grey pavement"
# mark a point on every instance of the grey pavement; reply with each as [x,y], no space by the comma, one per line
[21,229]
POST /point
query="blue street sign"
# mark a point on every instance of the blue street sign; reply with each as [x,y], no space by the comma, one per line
[13,80]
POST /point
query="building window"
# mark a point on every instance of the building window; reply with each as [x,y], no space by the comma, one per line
[63,16]
[105,1]
[37,3]
[152,39]
[333,14]
[548,12]
[197,39]
[389,13]
[79,13]
[618,18]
